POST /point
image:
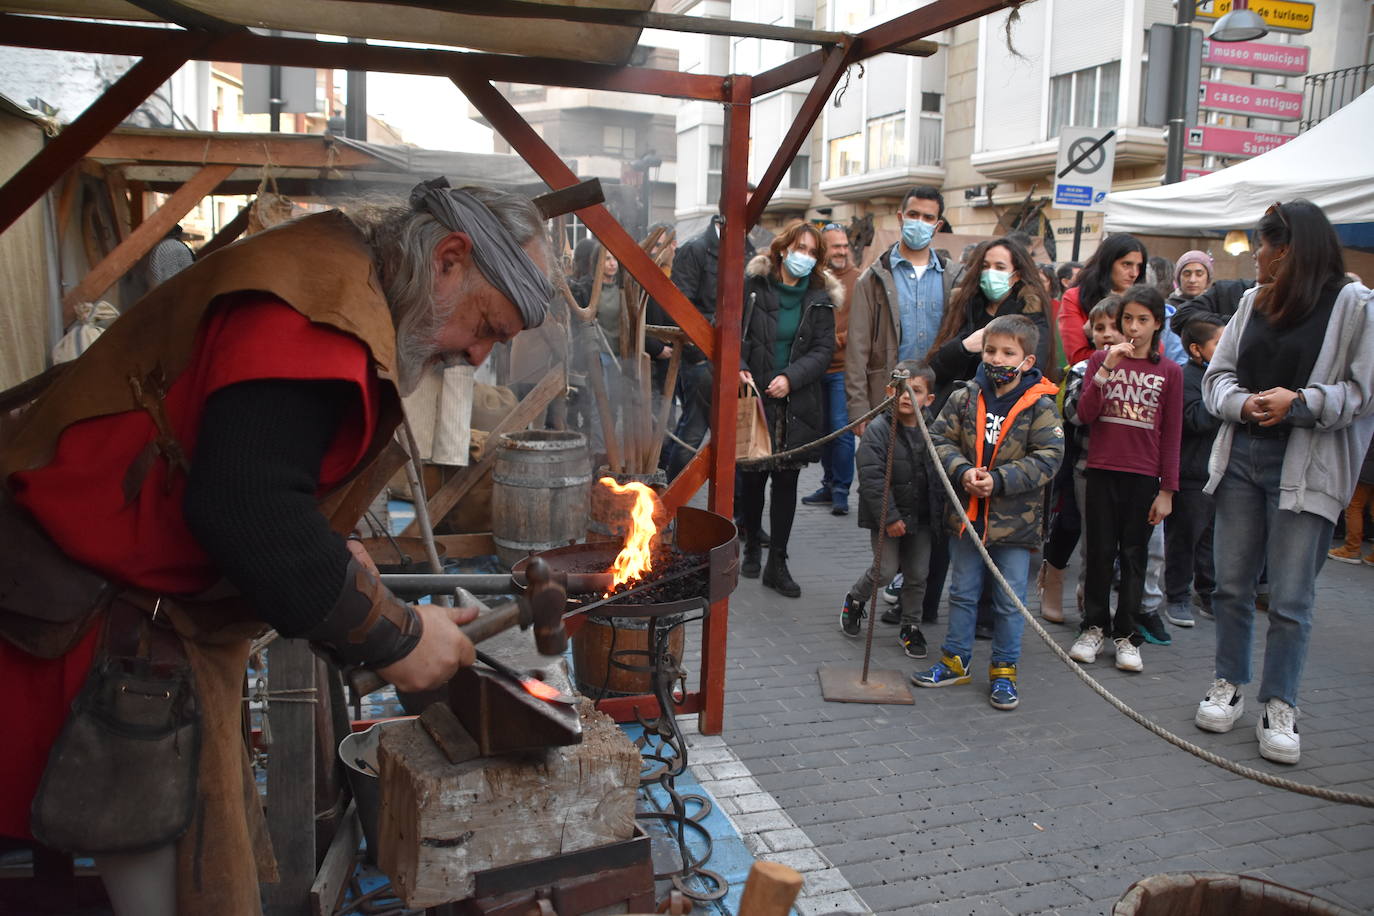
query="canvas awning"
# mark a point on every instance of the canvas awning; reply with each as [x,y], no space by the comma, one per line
[1331,165]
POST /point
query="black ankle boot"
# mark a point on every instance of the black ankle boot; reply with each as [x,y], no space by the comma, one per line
[776,576]
[753,554]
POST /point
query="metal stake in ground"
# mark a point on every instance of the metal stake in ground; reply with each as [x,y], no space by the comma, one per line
[845,685]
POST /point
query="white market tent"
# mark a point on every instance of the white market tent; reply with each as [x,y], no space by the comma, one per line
[1332,165]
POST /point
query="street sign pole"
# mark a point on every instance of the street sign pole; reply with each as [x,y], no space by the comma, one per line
[1077,233]
[1178,91]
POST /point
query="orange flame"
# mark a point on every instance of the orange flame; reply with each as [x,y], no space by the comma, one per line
[636,558]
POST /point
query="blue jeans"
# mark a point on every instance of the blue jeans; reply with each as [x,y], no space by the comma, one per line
[967,574]
[1251,531]
[837,457]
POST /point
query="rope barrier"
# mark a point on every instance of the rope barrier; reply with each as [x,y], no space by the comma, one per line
[1268,779]
[823,440]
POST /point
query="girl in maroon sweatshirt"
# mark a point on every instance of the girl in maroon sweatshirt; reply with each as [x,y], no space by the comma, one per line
[1134,403]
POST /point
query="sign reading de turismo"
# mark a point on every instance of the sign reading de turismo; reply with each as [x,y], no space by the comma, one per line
[1283,15]
[1255,101]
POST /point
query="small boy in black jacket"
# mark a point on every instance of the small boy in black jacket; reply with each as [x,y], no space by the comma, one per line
[914,510]
[1188,531]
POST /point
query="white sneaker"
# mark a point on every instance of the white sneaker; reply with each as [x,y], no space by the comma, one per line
[1087,645]
[1277,730]
[1220,709]
[1127,655]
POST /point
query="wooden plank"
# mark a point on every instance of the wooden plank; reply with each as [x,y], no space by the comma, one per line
[552,385]
[248,48]
[686,483]
[257,150]
[137,204]
[326,894]
[119,202]
[345,508]
[61,153]
[66,201]
[125,255]
[466,545]
[291,777]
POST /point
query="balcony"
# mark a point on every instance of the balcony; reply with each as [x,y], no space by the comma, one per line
[926,167]
[1326,93]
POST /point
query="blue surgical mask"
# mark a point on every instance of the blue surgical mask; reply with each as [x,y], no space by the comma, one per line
[799,264]
[916,233]
[995,284]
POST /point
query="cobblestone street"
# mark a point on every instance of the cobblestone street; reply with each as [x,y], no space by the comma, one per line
[949,806]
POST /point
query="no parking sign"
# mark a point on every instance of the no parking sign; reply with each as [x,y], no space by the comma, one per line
[1083,171]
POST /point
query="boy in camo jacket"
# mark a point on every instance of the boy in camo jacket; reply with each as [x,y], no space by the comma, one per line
[1000,440]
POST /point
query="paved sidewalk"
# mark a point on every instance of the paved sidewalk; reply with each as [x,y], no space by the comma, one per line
[950,806]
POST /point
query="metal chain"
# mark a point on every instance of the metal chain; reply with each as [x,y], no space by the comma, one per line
[1268,779]
[747,463]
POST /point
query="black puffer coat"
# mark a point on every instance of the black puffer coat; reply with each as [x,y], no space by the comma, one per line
[918,496]
[952,363]
[800,417]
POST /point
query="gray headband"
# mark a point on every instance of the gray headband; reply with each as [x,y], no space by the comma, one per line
[499,257]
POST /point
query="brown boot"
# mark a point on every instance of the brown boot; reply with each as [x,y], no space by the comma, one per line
[1051,592]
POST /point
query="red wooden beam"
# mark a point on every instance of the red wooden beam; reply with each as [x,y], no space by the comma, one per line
[729,309]
[687,482]
[104,114]
[836,60]
[249,48]
[885,36]
[630,709]
[555,172]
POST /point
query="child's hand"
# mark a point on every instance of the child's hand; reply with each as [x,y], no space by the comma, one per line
[896,529]
[1117,352]
[1162,507]
[977,482]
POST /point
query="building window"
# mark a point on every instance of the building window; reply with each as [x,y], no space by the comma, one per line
[619,141]
[931,102]
[715,158]
[1085,98]
[846,156]
[799,175]
[887,142]
[799,49]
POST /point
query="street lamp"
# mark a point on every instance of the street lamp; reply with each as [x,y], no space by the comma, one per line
[1241,24]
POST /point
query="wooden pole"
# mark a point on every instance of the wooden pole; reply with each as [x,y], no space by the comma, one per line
[770,890]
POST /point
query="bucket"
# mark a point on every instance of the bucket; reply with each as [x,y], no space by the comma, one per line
[599,636]
[358,752]
[608,517]
[539,493]
[1201,893]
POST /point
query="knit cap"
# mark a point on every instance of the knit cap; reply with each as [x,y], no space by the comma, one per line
[1192,257]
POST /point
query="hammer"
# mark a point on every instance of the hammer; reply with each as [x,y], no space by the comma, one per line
[541,606]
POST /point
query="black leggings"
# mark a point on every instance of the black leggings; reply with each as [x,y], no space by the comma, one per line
[783,509]
[1116,528]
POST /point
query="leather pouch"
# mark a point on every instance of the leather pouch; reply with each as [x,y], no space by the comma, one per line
[47,600]
[122,776]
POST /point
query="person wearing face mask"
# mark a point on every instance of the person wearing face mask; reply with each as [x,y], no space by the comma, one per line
[898,304]
[788,340]
[1008,283]
[1117,265]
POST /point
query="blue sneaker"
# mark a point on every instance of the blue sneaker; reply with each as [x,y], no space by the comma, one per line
[1180,615]
[820,498]
[1003,692]
[949,671]
[1152,628]
[839,503]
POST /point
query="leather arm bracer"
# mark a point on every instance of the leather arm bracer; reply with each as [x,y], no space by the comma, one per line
[368,626]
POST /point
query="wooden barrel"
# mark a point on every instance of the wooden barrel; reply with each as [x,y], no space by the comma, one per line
[539,493]
[608,516]
[598,637]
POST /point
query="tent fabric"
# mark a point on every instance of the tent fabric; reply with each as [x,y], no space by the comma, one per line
[26,297]
[429,27]
[1331,165]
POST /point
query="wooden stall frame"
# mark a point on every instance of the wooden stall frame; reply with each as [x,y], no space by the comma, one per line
[164,52]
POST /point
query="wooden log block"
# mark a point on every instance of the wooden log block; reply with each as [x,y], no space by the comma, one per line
[442,823]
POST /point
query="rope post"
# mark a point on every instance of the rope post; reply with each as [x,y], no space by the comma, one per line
[840,685]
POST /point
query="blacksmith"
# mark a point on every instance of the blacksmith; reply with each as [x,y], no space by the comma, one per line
[197,458]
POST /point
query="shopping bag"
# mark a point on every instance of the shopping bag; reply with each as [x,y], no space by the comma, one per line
[752,439]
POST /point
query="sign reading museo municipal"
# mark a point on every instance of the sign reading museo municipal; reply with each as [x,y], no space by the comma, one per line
[1228,141]
[1255,101]
[1283,60]
[1279,15]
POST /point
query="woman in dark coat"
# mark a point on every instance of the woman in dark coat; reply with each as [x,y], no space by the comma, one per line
[788,340]
[1003,280]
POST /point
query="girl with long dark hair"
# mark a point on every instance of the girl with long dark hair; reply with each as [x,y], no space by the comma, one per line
[1293,383]
[789,338]
[1118,263]
[1002,279]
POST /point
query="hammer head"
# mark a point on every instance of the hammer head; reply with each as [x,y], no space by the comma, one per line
[548,599]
